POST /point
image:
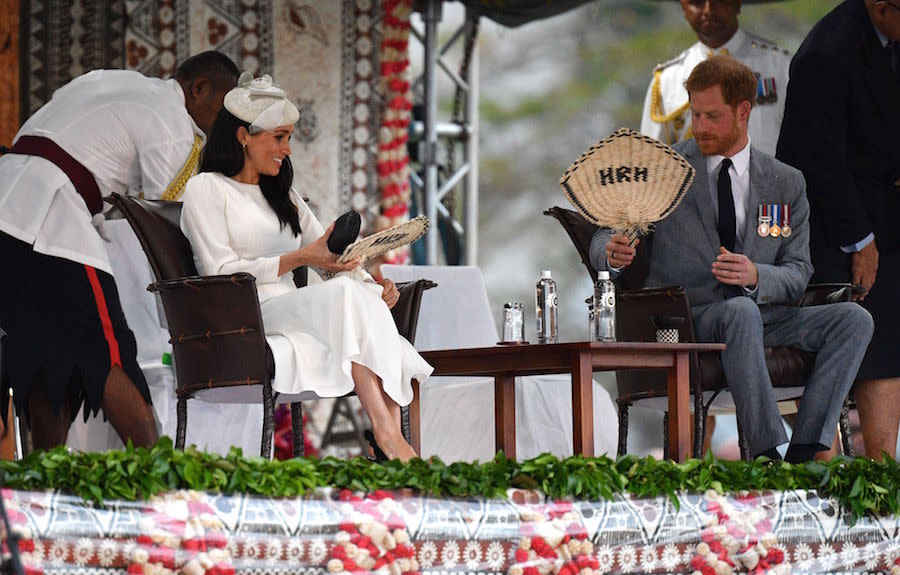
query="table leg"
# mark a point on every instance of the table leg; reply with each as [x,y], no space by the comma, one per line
[583,406]
[679,390]
[415,420]
[505,414]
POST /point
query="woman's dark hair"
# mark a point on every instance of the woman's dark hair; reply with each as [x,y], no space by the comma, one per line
[224,154]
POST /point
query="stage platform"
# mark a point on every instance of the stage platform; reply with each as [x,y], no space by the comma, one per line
[401,532]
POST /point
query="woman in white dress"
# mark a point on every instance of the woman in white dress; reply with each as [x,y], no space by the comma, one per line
[241,215]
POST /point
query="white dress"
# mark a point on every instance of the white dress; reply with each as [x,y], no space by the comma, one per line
[327,325]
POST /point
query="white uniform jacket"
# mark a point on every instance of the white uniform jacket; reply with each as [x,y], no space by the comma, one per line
[667,115]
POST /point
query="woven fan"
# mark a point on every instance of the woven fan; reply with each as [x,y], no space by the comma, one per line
[386,240]
[627,181]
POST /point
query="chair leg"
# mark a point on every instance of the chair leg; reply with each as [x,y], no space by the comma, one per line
[699,425]
[181,430]
[742,441]
[844,428]
[297,429]
[268,432]
[666,435]
[404,423]
[623,427]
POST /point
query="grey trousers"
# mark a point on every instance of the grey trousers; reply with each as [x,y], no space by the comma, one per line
[838,333]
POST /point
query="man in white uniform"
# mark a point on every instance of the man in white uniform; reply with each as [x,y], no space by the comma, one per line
[667,116]
[106,131]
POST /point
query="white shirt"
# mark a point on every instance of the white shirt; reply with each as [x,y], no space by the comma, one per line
[132,132]
[740,188]
[760,55]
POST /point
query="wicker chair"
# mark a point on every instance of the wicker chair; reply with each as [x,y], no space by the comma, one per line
[788,367]
[215,322]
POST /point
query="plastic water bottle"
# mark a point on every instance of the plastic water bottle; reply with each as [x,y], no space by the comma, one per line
[546,305]
[605,307]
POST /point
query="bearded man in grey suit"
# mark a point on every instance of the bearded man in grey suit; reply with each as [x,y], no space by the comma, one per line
[743,280]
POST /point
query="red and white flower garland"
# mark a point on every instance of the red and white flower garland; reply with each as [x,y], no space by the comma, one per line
[553,540]
[180,531]
[372,538]
[393,159]
[737,538]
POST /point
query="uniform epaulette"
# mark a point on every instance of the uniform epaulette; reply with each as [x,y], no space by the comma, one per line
[676,60]
[768,47]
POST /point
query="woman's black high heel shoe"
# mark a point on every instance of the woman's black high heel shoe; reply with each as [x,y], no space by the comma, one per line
[380,455]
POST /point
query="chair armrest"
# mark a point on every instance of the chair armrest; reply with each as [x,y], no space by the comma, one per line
[211,300]
[636,309]
[200,281]
[651,294]
[216,330]
[406,311]
[819,294]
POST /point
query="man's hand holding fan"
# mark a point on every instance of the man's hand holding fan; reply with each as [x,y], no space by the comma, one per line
[627,182]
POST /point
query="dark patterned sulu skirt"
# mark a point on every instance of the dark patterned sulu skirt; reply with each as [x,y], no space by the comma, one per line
[64,324]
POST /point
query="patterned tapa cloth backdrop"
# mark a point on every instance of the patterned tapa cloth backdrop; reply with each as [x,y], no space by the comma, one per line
[344,63]
[340,532]
[9,66]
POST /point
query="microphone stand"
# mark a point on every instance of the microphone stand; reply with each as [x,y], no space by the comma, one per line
[13,565]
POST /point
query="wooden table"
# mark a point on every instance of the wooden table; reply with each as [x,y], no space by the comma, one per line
[580,359]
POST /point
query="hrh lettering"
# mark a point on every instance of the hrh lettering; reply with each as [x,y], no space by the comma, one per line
[621,174]
[388,239]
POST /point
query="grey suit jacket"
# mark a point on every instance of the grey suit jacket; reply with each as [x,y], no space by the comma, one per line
[686,243]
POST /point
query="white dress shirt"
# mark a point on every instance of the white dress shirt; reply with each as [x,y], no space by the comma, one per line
[132,132]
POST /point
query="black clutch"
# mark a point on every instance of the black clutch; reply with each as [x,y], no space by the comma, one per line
[346,230]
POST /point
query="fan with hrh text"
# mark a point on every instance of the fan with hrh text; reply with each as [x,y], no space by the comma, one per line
[627,181]
[382,242]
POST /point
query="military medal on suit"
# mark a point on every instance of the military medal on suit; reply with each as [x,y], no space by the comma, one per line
[775,229]
[764,220]
[774,220]
[786,221]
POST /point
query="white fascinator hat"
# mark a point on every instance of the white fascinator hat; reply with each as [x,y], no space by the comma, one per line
[261,103]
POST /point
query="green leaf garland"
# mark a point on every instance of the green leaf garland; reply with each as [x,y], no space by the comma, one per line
[860,484]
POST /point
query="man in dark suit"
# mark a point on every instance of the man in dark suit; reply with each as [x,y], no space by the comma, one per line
[842,130]
[744,279]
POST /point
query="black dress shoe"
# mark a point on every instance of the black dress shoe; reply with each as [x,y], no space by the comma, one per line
[346,230]
[800,453]
[380,456]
